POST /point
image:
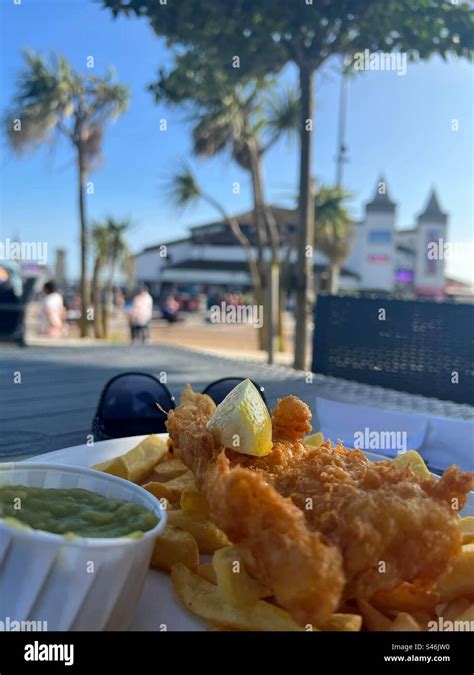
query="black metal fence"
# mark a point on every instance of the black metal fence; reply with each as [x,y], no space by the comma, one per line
[420,347]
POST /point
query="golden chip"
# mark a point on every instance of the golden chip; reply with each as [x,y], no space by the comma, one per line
[192,501]
[342,622]
[138,462]
[205,600]
[406,597]
[236,585]
[175,546]
[208,536]
[169,469]
[459,580]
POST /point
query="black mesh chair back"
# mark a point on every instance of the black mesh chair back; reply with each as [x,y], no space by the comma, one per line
[420,347]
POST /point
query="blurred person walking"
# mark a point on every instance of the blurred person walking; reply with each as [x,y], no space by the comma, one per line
[139,316]
[170,309]
[53,312]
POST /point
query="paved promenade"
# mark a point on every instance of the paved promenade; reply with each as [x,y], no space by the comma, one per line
[48,395]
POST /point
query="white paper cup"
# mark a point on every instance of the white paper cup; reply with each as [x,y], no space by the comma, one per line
[83,584]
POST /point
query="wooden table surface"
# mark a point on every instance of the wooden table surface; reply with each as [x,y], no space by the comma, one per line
[48,395]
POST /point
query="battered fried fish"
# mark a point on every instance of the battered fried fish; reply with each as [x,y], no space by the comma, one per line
[321,525]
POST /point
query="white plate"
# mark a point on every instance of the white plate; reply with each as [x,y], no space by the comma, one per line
[159,609]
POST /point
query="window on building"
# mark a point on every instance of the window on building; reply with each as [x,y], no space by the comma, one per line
[379,236]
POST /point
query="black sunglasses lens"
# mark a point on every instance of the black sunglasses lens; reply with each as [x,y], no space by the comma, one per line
[129,406]
[218,390]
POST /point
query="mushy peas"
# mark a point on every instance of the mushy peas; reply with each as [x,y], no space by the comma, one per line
[73,512]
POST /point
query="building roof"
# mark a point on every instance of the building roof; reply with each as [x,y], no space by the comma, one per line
[156,247]
[282,216]
[218,265]
[235,266]
[381,201]
[432,212]
[218,233]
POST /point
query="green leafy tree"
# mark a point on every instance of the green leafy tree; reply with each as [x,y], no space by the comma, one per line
[110,251]
[117,255]
[184,190]
[100,236]
[333,230]
[244,120]
[53,100]
[259,37]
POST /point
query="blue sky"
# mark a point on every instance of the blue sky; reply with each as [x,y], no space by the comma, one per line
[397,125]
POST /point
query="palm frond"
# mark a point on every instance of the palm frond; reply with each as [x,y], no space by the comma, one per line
[109,241]
[221,125]
[212,133]
[43,97]
[118,243]
[182,187]
[105,99]
[100,237]
[333,226]
[51,96]
[283,115]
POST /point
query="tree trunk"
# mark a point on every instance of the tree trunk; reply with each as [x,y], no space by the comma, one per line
[256,273]
[277,271]
[304,267]
[259,215]
[84,285]
[259,210]
[272,270]
[108,300]
[271,329]
[108,305]
[282,298]
[244,242]
[286,276]
[333,284]
[97,303]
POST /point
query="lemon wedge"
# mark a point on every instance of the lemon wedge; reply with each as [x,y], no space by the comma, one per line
[315,440]
[413,459]
[242,422]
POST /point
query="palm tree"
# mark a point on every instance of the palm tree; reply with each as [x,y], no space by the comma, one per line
[183,190]
[248,121]
[101,244]
[129,269]
[52,99]
[333,230]
[118,252]
[228,124]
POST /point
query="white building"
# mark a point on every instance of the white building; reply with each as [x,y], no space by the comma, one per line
[384,258]
[392,259]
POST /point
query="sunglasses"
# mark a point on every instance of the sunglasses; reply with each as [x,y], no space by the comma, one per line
[134,404]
